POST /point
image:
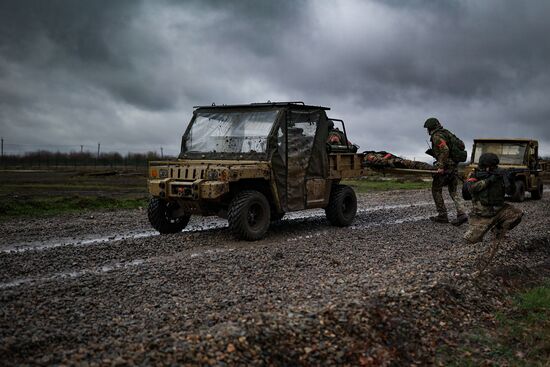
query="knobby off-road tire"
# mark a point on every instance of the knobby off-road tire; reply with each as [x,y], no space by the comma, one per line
[537,194]
[342,206]
[519,194]
[159,213]
[249,215]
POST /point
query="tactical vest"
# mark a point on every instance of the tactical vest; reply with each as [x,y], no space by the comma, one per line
[493,195]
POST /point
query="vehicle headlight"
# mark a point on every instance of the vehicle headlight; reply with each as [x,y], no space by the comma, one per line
[213,175]
[163,173]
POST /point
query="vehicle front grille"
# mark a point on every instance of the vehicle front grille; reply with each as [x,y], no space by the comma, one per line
[188,173]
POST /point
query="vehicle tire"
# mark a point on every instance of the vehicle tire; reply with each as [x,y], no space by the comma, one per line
[466,195]
[537,194]
[519,194]
[159,213]
[249,215]
[342,206]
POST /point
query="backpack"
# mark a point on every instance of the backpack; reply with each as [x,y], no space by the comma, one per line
[457,149]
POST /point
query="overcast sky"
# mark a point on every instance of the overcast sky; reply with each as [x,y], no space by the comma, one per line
[127,73]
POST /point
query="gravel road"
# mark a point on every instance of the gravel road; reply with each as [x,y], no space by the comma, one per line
[102,288]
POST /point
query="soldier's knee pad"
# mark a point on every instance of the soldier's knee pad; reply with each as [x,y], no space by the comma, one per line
[515,221]
[471,237]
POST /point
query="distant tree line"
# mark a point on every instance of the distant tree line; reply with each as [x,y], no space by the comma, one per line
[45,158]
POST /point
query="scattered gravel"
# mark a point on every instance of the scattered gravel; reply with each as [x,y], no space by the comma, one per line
[102,288]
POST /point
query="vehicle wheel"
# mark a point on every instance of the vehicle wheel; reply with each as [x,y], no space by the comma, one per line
[342,206]
[519,194]
[249,215]
[537,194]
[160,216]
[466,193]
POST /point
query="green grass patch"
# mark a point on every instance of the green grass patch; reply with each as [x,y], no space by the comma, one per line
[521,336]
[37,207]
[385,185]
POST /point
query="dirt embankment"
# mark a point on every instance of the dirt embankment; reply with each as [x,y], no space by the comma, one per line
[389,290]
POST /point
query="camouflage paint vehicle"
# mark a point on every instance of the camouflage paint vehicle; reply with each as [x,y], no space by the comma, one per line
[252,164]
[519,161]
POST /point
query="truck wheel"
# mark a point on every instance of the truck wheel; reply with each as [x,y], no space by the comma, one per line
[342,206]
[249,215]
[519,194]
[537,194]
[160,216]
[466,193]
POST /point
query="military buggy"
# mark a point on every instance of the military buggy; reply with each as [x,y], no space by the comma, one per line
[519,161]
[252,164]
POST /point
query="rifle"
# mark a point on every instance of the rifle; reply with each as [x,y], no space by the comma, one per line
[430,151]
[507,175]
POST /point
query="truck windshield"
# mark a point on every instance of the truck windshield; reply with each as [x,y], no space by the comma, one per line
[230,132]
[508,153]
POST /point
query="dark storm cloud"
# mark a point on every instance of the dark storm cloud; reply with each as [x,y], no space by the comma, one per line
[86,39]
[127,72]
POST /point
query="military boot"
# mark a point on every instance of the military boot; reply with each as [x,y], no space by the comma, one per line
[460,219]
[440,218]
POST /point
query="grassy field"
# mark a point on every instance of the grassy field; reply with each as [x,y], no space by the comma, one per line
[25,193]
[44,193]
[520,337]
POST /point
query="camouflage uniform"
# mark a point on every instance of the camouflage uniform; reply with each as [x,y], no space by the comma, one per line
[489,211]
[387,160]
[449,178]
[499,217]
[505,219]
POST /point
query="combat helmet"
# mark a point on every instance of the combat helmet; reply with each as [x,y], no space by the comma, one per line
[330,124]
[488,160]
[432,123]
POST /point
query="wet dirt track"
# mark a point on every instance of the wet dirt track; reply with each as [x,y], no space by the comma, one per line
[103,288]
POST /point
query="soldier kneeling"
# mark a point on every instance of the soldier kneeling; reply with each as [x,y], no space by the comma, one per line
[489,211]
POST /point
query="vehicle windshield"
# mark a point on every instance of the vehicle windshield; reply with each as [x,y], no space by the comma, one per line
[508,153]
[230,132]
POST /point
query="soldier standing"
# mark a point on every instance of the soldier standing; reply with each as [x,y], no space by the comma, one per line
[447,172]
[489,211]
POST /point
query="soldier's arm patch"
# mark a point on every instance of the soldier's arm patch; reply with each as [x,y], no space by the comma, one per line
[442,144]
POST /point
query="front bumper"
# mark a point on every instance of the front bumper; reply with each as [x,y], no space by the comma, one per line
[194,190]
